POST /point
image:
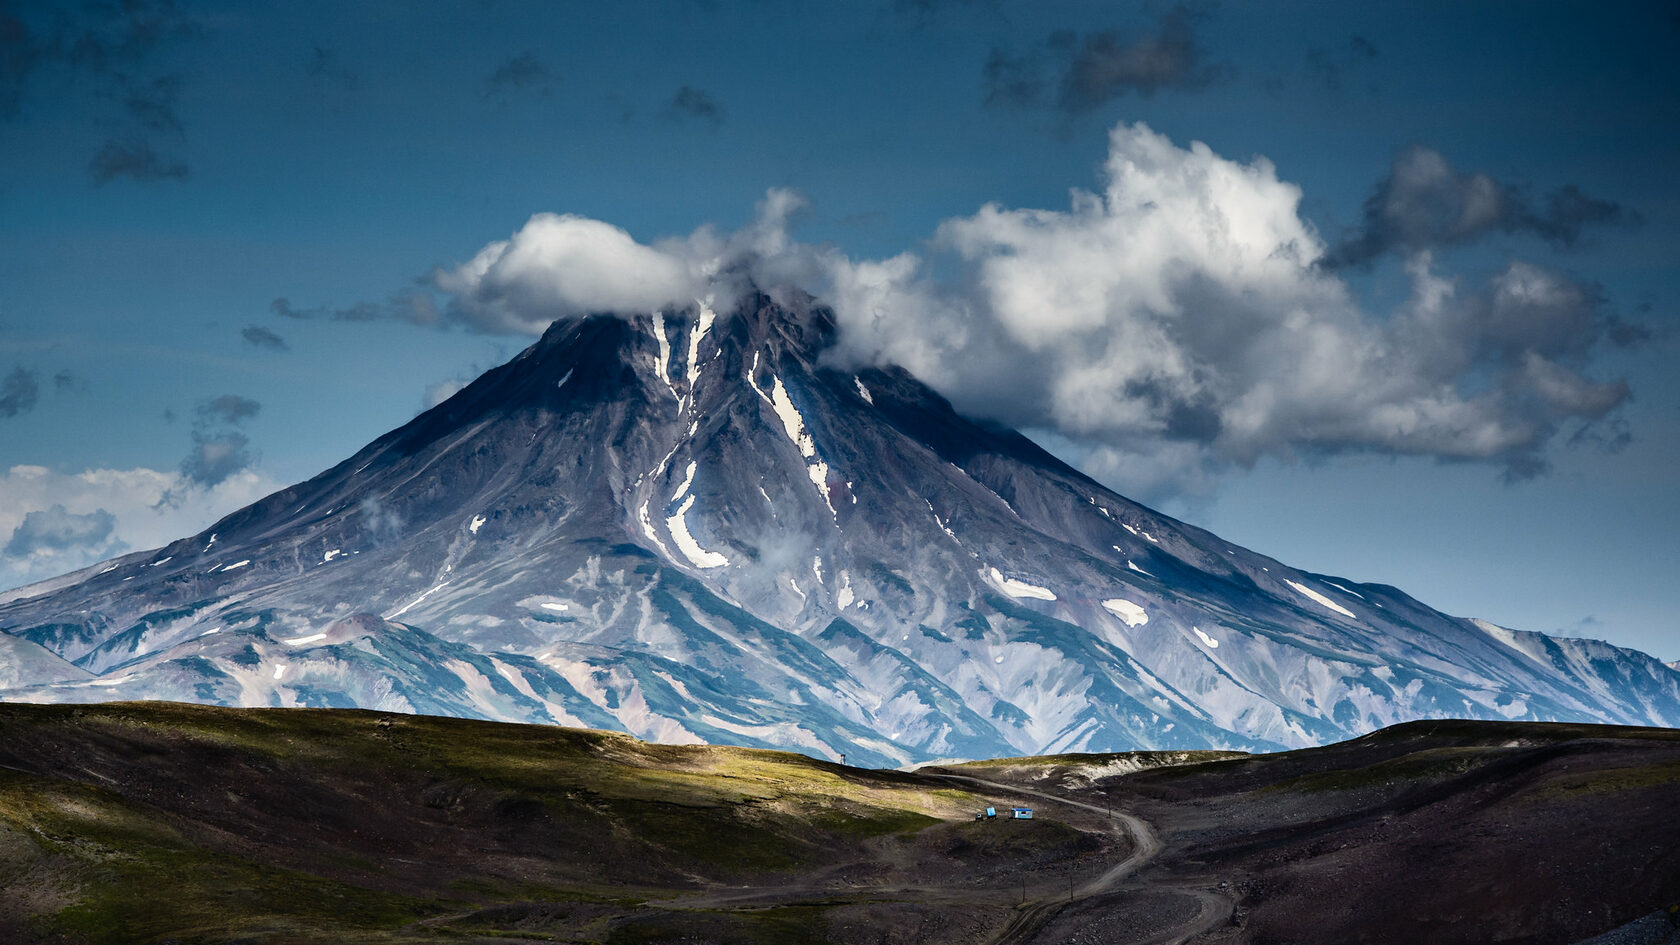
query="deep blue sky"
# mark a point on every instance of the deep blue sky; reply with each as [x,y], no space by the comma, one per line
[169,171]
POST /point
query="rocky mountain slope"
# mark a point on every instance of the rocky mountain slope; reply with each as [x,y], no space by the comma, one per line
[694,527]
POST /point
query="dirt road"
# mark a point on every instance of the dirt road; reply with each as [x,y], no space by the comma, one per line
[1033,915]
[1146,844]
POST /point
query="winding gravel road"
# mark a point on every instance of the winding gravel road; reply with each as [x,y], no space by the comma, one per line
[1146,844]
[1030,918]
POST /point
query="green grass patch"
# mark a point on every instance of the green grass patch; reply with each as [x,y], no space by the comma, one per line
[1410,770]
[201,823]
[1611,781]
[142,880]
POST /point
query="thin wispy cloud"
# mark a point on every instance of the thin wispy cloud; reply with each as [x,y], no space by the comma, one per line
[260,337]
[1334,67]
[524,74]
[408,305]
[1081,72]
[20,52]
[136,159]
[220,450]
[113,45]
[325,67]
[690,103]
[151,104]
[19,392]
[227,409]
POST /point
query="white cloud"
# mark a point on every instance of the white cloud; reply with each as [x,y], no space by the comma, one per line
[129,501]
[1182,313]
[564,265]
[1178,322]
[442,391]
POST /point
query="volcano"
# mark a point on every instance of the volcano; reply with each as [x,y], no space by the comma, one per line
[701,526]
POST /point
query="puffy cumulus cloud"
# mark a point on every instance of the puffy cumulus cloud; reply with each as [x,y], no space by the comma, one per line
[55,530]
[1183,312]
[561,265]
[564,266]
[58,522]
[1178,322]
[1425,202]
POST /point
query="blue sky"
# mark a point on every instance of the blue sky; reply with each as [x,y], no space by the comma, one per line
[216,222]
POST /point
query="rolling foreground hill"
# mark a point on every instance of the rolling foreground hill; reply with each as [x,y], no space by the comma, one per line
[696,527]
[157,822]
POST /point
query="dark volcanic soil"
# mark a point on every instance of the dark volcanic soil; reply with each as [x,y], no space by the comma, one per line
[1438,832]
[156,822]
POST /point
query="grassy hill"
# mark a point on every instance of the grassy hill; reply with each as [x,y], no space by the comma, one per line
[160,822]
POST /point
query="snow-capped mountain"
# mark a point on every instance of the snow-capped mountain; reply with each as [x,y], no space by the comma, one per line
[689,526]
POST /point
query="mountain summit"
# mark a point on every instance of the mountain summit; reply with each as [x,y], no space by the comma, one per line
[693,527]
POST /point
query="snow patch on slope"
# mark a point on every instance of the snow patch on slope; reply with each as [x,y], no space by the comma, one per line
[688,480]
[1019,589]
[706,318]
[944,526]
[647,529]
[678,524]
[664,353]
[1309,592]
[1134,615]
[793,424]
[792,421]
[404,609]
[1341,588]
